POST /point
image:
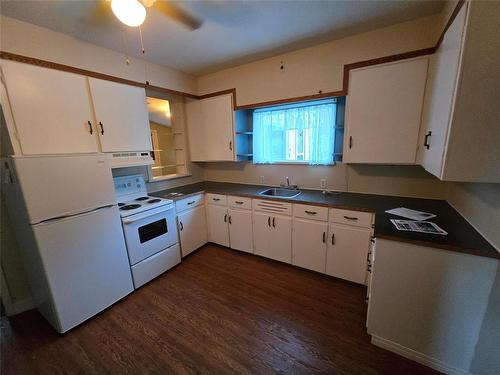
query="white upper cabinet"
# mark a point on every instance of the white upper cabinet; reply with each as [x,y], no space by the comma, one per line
[121,115]
[460,134]
[50,110]
[211,128]
[384,107]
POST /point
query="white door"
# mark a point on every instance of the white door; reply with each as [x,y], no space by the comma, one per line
[384,109]
[262,233]
[347,252]
[122,116]
[240,230]
[192,229]
[440,96]
[217,119]
[218,225]
[86,264]
[54,186]
[309,244]
[51,110]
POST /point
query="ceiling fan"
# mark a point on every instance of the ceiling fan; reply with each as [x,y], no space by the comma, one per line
[133,12]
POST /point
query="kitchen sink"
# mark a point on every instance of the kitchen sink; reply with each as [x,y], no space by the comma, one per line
[280,193]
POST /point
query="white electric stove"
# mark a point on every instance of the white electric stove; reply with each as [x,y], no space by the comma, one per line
[149,227]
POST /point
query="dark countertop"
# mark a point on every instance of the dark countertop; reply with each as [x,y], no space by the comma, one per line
[462,237]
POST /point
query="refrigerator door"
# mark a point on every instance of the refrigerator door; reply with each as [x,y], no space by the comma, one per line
[86,264]
[55,186]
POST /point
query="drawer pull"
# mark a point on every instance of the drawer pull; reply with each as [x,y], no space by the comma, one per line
[90,127]
[269,221]
[274,220]
[181,226]
[333,238]
[229,219]
[239,202]
[190,203]
[324,237]
[350,218]
[310,212]
[225,218]
[216,199]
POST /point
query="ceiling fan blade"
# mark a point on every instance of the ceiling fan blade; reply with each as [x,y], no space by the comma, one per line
[178,14]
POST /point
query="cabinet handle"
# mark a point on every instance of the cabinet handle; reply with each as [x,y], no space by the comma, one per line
[350,141]
[230,219]
[102,128]
[181,226]
[90,127]
[190,203]
[239,202]
[324,237]
[216,199]
[310,212]
[274,224]
[333,238]
[426,141]
[350,218]
[231,145]
[225,218]
[269,221]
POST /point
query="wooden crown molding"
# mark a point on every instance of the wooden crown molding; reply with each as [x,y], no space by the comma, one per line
[345,82]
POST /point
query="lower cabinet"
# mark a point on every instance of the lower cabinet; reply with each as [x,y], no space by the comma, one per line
[347,252]
[192,229]
[309,244]
[218,230]
[240,230]
[272,236]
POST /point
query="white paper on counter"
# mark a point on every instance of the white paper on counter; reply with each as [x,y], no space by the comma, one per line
[411,214]
[418,226]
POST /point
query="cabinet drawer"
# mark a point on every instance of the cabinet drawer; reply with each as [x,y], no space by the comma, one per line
[218,199]
[274,207]
[189,202]
[310,212]
[239,202]
[355,218]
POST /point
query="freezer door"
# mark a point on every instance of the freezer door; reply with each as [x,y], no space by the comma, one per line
[86,264]
[54,186]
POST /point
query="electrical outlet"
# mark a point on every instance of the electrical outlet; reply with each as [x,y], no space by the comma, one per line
[322,183]
[261,180]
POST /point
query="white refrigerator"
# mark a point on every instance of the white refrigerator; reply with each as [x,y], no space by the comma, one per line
[68,226]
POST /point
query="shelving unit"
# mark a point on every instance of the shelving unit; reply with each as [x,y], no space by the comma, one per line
[244,135]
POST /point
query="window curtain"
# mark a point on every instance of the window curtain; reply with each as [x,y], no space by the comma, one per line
[271,126]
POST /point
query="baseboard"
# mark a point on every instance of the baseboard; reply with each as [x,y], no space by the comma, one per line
[417,356]
[17,307]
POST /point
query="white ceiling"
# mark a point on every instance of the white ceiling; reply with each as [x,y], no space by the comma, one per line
[233,32]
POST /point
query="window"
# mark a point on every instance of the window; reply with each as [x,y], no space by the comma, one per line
[295,133]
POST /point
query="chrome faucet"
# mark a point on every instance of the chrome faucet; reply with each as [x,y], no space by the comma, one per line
[287,185]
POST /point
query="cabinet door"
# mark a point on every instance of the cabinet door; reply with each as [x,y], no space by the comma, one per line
[218,226]
[309,244]
[51,110]
[384,109]
[192,229]
[281,239]
[240,230]
[262,233]
[216,129]
[121,115]
[440,96]
[347,251]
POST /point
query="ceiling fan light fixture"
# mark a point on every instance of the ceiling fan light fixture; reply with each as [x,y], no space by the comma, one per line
[130,12]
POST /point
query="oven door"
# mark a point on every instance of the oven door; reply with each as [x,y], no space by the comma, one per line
[149,232]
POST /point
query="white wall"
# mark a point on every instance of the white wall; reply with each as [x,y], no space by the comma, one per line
[26,39]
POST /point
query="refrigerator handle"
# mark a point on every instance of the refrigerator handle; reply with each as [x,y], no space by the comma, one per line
[63,217]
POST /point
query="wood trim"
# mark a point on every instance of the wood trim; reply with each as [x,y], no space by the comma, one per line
[330,94]
[89,73]
[450,21]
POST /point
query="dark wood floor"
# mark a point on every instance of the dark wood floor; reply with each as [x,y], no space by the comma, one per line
[220,312]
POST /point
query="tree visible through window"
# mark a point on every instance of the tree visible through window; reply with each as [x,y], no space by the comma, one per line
[301,132]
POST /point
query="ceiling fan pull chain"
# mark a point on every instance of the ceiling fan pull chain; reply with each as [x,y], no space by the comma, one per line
[143,53]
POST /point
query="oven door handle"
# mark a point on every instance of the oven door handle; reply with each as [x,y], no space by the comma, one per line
[142,215]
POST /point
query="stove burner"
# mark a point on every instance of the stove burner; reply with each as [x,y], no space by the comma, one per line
[130,207]
[154,200]
[121,204]
[142,199]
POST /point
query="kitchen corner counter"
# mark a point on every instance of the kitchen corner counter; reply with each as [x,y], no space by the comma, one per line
[462,237]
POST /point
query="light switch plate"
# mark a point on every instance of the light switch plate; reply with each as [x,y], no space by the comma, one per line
[322,183]
[261,179]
